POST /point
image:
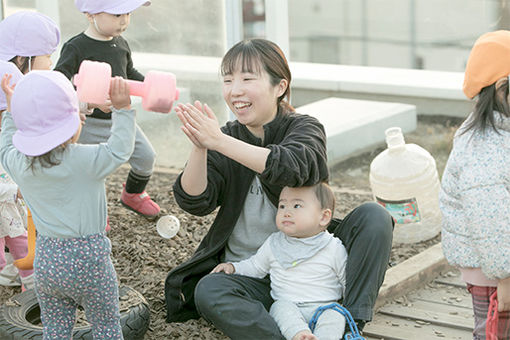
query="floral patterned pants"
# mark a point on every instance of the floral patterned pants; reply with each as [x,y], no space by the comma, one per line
[76,272]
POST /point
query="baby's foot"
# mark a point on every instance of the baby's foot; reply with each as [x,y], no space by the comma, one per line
[305,335]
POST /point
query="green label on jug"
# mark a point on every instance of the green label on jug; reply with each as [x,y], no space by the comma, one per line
[404,211]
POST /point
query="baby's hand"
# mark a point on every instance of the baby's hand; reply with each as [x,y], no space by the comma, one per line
[8,89]
[227,268]
[119,93]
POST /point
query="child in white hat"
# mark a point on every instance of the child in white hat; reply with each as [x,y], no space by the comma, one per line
[102,41]
[63,184]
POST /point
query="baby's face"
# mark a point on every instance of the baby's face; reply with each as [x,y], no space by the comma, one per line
[111,25]
[300,214]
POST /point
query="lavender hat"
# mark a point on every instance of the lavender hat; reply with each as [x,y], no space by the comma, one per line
[8,68]
[110,6]
[27,34]
[45,111]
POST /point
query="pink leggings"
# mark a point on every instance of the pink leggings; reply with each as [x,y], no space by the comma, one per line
[18,247]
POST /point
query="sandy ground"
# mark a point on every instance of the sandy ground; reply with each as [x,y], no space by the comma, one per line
[142,258]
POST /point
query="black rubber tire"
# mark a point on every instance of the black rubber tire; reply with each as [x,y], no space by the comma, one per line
[19,322]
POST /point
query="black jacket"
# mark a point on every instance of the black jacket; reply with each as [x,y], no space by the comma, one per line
[297,158]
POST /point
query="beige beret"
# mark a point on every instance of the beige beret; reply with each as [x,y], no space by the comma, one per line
[488,61]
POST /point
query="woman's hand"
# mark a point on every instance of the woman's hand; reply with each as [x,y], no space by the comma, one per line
[119,93]
[227,268]
[504,295]
[180,111]
[200,125]
[8,89]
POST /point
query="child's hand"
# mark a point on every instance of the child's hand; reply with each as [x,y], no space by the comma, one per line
[227,268]
[19,196]
[119,93]
[106,107]
[504,295]
[8,89]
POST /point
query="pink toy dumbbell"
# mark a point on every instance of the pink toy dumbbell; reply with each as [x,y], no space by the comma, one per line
[158,91]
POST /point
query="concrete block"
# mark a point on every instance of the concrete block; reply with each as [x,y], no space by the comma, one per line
[353,126]
[411,274]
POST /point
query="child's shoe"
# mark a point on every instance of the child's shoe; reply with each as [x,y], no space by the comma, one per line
[107,228]
[140,203]
[27,282]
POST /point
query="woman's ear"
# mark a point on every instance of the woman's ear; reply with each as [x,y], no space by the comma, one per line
[282,87]
[327,214]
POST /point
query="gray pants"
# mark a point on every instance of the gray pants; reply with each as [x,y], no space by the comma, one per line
[238,305]
[142,160]
[293,318]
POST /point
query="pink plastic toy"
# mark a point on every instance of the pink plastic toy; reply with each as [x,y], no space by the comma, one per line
[158,91]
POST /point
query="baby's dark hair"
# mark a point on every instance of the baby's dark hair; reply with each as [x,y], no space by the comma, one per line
[325,196]
[490,99]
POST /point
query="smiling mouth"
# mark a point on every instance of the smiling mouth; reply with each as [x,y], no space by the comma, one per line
[240,106]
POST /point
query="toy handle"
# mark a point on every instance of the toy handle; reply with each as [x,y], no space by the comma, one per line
[27,262]
[491,328]
[136,88]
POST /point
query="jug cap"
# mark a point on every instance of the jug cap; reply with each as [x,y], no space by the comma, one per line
[394,137]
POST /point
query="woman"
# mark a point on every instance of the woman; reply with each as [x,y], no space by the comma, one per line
[242,168]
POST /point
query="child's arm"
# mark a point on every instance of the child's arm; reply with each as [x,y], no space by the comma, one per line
[340,264]
[69,61]
[102,159]
[7,150]
[131,72]
[258,265]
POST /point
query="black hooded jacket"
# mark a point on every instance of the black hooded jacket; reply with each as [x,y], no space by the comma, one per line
[297,158]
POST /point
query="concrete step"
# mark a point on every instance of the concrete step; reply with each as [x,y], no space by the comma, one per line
[354,126]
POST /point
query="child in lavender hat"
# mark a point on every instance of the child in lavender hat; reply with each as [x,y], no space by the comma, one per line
[28,39]
[102,41]
[63,184]
[13,213]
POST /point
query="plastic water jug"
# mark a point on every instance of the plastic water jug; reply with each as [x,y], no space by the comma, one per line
[404,180]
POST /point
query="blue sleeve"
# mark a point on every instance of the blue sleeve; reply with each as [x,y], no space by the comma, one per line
[12,160]
[102,159]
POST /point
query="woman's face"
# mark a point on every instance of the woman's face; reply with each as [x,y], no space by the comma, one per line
[252,98]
